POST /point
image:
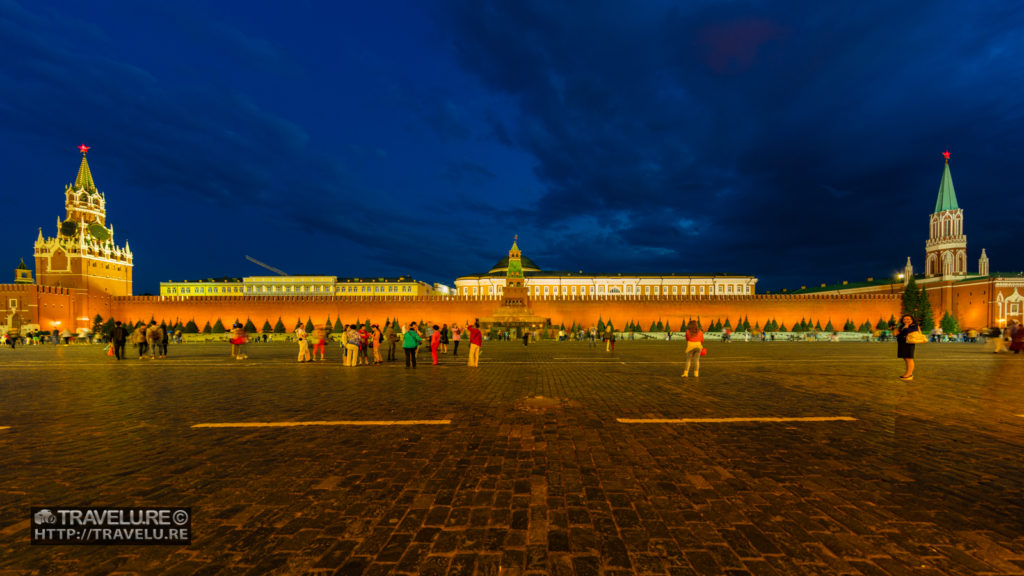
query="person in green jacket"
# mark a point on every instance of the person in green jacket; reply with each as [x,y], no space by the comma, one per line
[410,342]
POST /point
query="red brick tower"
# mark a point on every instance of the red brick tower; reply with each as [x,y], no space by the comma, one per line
[83,256]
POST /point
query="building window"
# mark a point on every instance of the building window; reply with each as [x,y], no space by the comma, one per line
[701,290]
[629,289]
[573,290]
[674,288]
[746,289]
[729,289]
[600,289]
[1014,308]
[545,290]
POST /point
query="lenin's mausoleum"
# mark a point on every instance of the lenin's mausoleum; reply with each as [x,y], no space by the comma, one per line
[82,272]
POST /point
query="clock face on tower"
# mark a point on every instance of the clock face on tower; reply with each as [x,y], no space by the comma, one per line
[98,232]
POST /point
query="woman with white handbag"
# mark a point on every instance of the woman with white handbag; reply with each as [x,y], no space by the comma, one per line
[908,335]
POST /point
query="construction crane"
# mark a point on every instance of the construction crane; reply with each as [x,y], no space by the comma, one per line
[267,266]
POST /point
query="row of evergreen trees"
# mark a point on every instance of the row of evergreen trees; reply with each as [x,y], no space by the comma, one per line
[743,325]
[107,327]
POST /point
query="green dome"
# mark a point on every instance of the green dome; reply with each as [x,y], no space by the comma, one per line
[502,265]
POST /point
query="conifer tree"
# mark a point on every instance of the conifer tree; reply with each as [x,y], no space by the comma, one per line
[309,324]
[667,327]
[191,327]
[249,327]
[600,325]
[610,325]
[949,324]
[829,327]
[757,326]
[339,327]
[926,319]
[207,329]
[892,321]
[279,327]
[881,325]
[849,326]
[817,326]
[659,327]
[727,324]
[654,327]
[267,328]
[218,327]
[782,327]
[865,327]
[108,327]
[912,299]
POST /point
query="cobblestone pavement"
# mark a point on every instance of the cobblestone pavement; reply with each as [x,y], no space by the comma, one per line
[534,474]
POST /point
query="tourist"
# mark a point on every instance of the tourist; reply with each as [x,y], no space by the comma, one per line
[392,341]
[456,336]
[526,336]
[164,340]
[410,343]
[1017,338]
[593,337]
[303,339]
[609,339]
[905,349]
[444,339]
[364,345]
[351,345]
[139,339]
[435,343]
[320,341]
[238,340]
[118,337]
[153,338]
[376,341]
[694,348]
[476,341]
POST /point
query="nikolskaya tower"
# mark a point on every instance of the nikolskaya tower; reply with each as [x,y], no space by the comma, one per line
[83,255]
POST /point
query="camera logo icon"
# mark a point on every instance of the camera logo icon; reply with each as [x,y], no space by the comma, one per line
[44,516]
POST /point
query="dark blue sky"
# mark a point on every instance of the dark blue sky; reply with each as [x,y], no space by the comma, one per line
[796,141]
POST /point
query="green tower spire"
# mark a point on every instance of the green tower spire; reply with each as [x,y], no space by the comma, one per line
[947,196]
[84,179]
[514,274]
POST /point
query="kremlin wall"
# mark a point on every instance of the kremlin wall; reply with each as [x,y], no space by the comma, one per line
[82,273]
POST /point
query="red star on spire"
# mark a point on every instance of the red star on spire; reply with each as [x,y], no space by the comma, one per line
[946,154]
[83,149]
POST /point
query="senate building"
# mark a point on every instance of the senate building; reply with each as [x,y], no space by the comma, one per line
[543,285]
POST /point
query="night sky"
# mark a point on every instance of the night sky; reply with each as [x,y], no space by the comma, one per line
[799,142]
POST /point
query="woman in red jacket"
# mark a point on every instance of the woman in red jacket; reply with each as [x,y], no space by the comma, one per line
[435,342]
[694,346]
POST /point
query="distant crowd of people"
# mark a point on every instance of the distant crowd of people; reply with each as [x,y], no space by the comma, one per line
[359,341]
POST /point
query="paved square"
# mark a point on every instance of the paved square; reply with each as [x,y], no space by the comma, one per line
[547,464]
